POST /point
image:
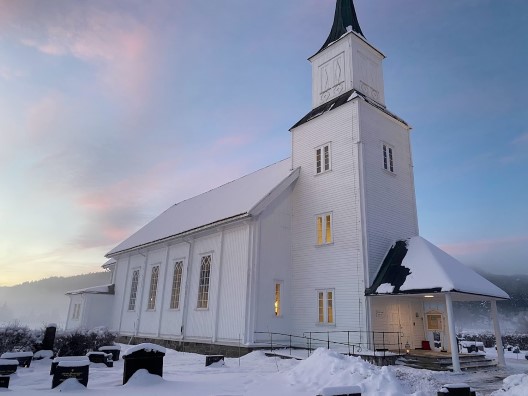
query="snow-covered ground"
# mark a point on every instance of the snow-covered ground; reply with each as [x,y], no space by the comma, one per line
[258,375]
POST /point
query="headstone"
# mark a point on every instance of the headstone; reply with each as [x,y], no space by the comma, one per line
[115,350]
[8,366]
[55,362]
[456,390]
[71,369]
[4,381]
[210,359]
[143,356]
[23,358]
[49,337]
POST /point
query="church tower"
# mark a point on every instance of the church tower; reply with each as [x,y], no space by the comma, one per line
[355,193]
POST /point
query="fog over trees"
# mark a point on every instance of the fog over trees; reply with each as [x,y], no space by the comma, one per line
[36,303]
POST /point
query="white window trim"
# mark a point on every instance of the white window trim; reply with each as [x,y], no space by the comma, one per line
[325,321]
[175,263]
[136,291]
[281,298]
[323,217]
[198,308]
[388,162]
[322,159]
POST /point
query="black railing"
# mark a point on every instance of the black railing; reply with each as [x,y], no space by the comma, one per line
[376,343]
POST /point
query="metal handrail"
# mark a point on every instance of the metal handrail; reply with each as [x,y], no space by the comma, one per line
[353,348]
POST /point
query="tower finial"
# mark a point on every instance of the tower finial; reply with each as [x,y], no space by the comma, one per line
[345,16]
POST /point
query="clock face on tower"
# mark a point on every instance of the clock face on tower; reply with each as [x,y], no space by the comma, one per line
[332,77]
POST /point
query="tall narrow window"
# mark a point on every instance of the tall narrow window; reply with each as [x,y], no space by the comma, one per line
[176,285]
[325,306]
[323,225]
[388,160]
[203,287]
[277,307]
[133,290]
[153,287]
[322,159]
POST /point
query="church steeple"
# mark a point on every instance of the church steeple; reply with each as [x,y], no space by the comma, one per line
[345,18]
[346,61]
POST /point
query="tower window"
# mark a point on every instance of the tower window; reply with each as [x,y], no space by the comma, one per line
[203,286]
[325,306]
[322,158]
[388,158]
[323,225]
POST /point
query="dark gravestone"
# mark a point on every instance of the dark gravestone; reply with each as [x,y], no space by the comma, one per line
[49,337]
[114,350]
[210,359]
[101,357]
[71,369]
[456,390]
[8,366]
[57,360]
[144,356]
[4,381]
[23,358]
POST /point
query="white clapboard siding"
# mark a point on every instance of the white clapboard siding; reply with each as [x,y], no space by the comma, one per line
[274,265]
[389,197]
[338,266]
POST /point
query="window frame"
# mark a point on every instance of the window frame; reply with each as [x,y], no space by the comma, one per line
[175,299]
[388,157]
[326,307]
[132,300]
[277,303]
[204,282]
[323,158]
[153,288]
[324,229]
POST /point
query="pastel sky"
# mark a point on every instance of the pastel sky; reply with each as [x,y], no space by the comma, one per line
[111,111]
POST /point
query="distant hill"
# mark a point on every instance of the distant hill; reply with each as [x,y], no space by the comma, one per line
[36,303]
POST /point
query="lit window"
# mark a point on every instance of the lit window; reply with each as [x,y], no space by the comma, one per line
[388,160]
[325,306]
[176,285]
[277,306]
[203,287]
[322,159]
[133,290]
[323,225]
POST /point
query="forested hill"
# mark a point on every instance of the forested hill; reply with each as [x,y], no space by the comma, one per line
[39,302]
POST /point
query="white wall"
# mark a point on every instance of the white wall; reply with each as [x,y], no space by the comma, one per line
[389,198]
[74,323]
[339,265]
[274,265]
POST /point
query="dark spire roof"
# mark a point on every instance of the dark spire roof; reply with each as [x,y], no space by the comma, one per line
[345,15]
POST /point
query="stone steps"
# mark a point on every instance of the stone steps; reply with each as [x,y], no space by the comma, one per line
[436,363]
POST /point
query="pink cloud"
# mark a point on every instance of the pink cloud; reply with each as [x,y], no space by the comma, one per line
[482,246]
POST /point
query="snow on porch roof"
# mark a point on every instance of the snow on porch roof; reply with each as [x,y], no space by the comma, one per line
[416,266]
[242,197]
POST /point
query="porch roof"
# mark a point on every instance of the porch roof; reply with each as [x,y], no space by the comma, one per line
[416,266]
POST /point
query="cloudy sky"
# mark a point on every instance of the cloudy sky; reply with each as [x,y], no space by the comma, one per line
[111,111]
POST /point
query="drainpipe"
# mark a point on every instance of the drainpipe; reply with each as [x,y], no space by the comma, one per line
[498,338]
[452,333]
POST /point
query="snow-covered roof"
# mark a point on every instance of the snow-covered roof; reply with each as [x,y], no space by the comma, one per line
[417,266]
[242,197]
[109,264]
[104,289]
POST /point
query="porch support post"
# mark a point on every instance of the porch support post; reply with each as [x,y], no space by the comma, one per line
[452,333]
[498,338]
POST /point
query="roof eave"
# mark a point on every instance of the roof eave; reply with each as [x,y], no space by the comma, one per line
[205,227]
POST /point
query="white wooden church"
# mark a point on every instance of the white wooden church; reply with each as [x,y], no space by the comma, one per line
[324,241]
